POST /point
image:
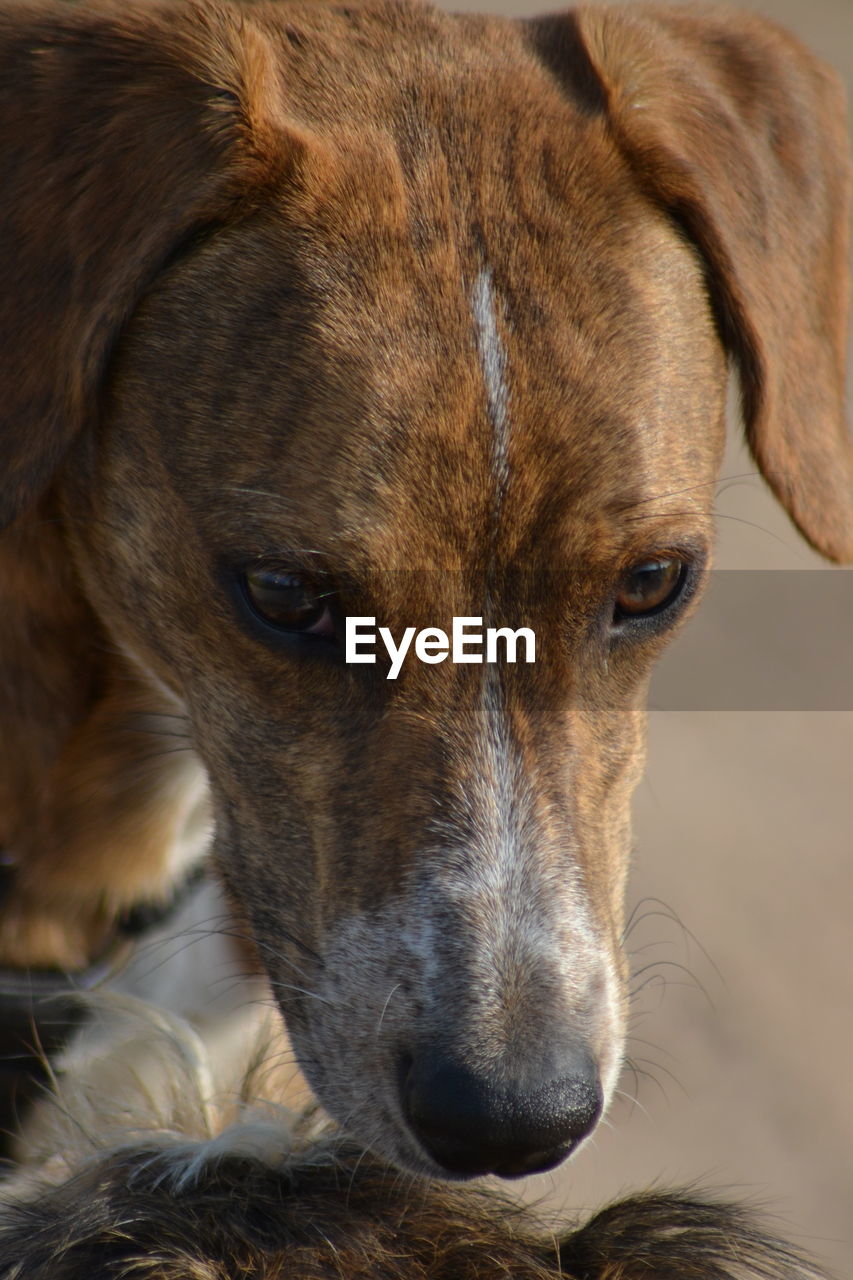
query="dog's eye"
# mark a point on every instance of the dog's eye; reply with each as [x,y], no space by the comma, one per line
[649,588]
[289,601]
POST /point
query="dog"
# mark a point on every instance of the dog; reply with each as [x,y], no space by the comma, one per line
[314,313]
[143,1163]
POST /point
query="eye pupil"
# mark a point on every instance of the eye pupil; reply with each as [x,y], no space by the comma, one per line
[284,599]
[648,587]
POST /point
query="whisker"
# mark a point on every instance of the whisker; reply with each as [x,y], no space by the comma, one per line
[658,1066]
[304,991]
[657,515]
[396,987]
[676,493]
[664,911]
[751,524]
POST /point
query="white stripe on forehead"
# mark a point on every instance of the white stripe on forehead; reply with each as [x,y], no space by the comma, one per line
[493,361]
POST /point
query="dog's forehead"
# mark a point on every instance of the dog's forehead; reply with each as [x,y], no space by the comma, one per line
[504,397]
[467,320]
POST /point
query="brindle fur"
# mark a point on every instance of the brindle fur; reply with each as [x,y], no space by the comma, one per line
[333,1215]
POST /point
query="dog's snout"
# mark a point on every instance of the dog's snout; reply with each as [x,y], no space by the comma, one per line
[472,1125]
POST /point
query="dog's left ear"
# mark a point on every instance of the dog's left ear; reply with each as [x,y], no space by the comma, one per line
[739,132]
[125,132]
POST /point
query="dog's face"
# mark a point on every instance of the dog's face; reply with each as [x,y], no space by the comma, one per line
[433,865]
[457,361]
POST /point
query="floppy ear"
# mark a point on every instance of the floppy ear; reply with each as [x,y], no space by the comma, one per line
[730,124]
[124,133]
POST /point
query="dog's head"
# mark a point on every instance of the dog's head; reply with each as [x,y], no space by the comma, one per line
[313,313]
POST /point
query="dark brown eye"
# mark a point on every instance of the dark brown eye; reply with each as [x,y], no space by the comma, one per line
[289,601]
[649,587]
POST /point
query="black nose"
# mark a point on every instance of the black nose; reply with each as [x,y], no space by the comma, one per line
[472,1125]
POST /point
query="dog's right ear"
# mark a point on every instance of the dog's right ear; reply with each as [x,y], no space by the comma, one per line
[738,132]
[124,134]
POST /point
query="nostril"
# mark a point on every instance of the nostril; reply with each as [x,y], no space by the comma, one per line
[471,1125]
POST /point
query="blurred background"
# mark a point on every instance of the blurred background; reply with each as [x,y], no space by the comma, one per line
[742,888]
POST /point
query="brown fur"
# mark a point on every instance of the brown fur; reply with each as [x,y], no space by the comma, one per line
[240,250]
[334,1215]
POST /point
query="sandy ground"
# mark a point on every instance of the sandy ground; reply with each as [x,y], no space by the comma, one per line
[744,1037]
